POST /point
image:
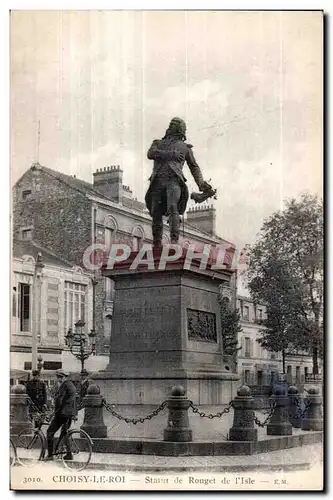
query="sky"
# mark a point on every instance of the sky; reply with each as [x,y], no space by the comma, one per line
[104,84]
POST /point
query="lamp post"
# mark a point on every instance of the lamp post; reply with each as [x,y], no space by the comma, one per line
[80,344]
[38,271]
[40,363]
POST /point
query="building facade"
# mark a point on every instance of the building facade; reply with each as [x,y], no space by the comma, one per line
[256,365]
[66,296]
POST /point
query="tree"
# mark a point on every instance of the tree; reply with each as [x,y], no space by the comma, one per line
[285,272]
[230,326]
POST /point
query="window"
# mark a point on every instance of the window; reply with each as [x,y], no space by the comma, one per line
[137,243]
[108,289]
[273,355]
[246,314]
[298,373]
[289,370]
[137,239]
[306,372]
[26,194]
[260,377]
[14,303]
[26,234]
[247,347]
[75,303]
[24,303]
[247,375]
[108,237]
[260,314]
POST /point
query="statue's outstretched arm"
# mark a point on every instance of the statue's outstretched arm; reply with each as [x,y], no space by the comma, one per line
[194,168]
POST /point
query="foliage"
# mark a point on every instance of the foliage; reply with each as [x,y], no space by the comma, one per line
[230,326]
[285,272]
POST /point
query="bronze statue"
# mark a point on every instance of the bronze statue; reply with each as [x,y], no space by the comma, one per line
[167,193]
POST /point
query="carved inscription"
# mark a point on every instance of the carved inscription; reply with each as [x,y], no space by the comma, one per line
[201,326]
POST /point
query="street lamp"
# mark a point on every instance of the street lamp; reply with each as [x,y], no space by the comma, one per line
[38,271]
[81,345]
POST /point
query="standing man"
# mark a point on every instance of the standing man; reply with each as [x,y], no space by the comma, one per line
[64,412]
[36,390]
[168,193]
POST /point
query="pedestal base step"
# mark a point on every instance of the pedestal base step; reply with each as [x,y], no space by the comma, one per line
[203,448]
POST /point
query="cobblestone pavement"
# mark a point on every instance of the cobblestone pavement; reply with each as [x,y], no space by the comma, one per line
[298,458]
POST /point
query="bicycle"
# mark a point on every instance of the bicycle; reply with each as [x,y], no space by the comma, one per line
[13,458]
[31,448]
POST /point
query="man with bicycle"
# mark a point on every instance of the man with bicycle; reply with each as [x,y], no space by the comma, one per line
[64,412]
[36,390]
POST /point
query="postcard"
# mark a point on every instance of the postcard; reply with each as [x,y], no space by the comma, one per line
[167,250]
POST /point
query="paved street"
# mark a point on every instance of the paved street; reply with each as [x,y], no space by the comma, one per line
[293,469]
[298,458]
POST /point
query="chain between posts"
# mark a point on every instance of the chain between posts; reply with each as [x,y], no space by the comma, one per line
[269,416]
[134,421]
[210,415]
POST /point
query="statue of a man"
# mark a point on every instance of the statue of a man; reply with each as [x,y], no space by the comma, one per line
[168,193]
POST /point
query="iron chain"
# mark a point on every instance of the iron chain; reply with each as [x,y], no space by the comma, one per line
[267,419]
[210,415]
[134,421]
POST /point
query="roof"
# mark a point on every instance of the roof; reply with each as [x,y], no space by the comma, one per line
[133,203]
[78,184]
[21,248]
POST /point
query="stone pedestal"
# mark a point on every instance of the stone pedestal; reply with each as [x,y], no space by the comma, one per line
[166,331]
[313,418]
[279,424]
[93,413]
[19,411]
[178,428]
[243,426]
[294,401]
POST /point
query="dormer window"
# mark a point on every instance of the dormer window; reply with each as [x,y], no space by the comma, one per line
[26,234]
[26,194]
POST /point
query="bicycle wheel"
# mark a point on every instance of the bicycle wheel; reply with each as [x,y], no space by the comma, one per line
[29,448]
[12,453]
[81,448]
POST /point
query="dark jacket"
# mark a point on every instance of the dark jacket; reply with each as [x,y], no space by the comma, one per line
[84,389]
[36,390]
[65,400]
[162,152]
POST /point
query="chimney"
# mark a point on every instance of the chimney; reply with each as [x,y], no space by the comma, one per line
[203,218]
[127,192]
[109,181]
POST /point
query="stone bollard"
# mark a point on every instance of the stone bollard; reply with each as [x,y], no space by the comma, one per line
[19,411]
[178,429]
[93,422]
[294,410]
[243,425]
[313,418]
[279,424]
